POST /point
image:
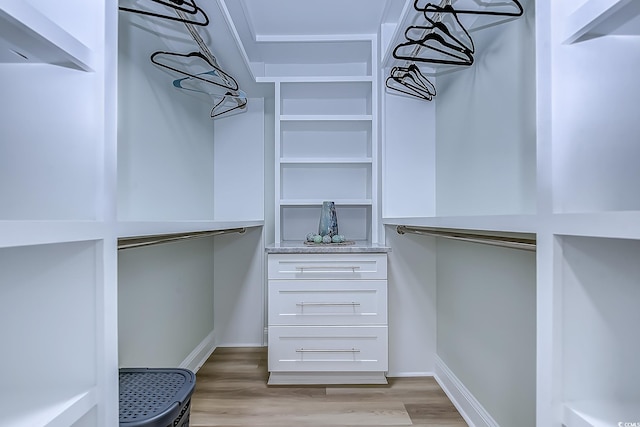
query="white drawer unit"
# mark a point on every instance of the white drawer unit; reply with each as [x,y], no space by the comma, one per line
[328,348]
[327,302]
[328,266]
[327,318]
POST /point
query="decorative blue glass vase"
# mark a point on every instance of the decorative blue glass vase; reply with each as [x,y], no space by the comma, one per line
[328,220]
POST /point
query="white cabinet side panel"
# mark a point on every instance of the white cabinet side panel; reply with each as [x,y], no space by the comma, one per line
[412,304]
[239,164]
[239,289]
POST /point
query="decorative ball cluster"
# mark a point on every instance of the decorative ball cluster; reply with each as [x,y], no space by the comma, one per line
[316,238]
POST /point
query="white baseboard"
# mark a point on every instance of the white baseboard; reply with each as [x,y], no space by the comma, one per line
[200,354]
[471,410]
[392,374]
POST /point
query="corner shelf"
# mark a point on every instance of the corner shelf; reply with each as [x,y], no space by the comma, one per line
[598,413]
[601,17]
[50,413]
[30,36]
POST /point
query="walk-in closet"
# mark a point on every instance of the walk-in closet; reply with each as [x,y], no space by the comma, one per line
[167,169]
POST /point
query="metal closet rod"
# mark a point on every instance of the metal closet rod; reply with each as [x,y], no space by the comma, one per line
[502,241]
[137,242]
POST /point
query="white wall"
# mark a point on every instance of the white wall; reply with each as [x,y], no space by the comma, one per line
[52,186]
[165,302]
[165,136]
[486,305]
[485,127]
[239,164]
[408,157]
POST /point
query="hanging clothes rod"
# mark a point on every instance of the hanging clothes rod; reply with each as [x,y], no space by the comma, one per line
[527,244]
[137,242]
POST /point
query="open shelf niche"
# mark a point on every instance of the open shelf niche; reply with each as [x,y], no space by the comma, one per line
[600,344]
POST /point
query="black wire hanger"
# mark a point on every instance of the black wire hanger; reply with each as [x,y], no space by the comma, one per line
[433,21]
[224,103]
[430,7]
[410,81]
[225,80]
[454,52]
[186,6]
[229,102]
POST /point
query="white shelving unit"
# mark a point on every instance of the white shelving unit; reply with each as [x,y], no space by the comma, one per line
[326,139]
[583,206]
[595,211]
[57,256]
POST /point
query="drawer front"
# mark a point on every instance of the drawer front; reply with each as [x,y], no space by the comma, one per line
[327,302]
[327,348]
[327,266]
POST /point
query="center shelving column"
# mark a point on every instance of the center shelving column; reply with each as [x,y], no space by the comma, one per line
[326,149]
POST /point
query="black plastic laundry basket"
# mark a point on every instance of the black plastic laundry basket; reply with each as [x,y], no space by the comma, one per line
[151,397]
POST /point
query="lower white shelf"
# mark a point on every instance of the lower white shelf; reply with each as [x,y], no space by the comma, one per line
[46,408]
[599,413]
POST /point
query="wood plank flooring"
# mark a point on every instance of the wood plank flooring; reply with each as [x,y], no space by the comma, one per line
[231,390]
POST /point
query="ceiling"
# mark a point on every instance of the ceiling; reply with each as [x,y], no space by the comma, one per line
[249,36]
[308,17]
[305,31]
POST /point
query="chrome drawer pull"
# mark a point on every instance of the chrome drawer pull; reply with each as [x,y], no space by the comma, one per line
[310,350]
[354,304]
[324,268]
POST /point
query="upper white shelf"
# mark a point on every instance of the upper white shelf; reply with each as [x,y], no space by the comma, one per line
[620,225]
[603,17]
[26,35]
[325,160]
[314,79]
[316,202]
[326,117]
[31,233]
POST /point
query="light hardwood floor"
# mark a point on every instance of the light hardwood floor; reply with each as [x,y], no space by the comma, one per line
[231,390]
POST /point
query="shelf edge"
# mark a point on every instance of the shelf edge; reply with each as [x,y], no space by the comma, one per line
[38,36]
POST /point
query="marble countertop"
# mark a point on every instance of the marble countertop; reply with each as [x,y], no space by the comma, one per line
[301,248]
